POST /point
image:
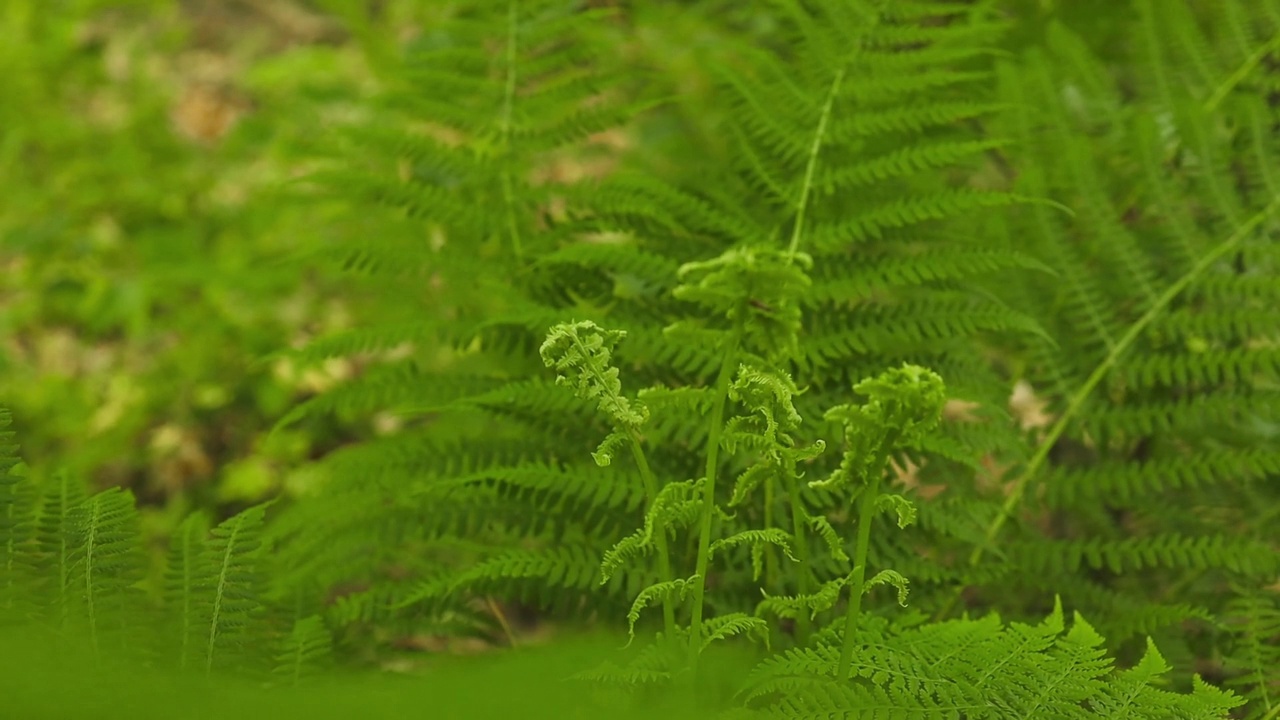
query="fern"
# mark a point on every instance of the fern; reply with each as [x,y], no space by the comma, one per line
[79,570]
[16,523]
[230,585]
[885,190]
[1254,624]
[1163,368]
[978,669]
[184,572]
[305,651]
[105,562]
[523,61]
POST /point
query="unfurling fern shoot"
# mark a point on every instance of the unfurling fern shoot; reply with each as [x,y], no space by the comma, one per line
[903,405]
[757,290]
[580,352]
[767,394]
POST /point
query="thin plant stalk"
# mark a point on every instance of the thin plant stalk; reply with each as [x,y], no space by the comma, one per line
[799,530]
[727,367]
[664,556]
[857,578]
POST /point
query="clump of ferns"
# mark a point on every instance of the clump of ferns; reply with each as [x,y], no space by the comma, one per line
[751,297]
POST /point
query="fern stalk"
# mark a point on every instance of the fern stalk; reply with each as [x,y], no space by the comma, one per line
[797,230]
[1238,76]
[812,164]
[858,577]
[727,368]
[799,531]
[502,620]
[56,507]
[218,596]
[90,568]
[508,98]
[664,555]
[770,559]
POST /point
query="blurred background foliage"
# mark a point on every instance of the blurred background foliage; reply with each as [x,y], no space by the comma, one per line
[146,155]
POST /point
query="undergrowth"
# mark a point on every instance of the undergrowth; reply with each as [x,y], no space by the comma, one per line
[746,402]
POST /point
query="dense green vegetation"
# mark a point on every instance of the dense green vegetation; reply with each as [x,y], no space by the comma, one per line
[839,358]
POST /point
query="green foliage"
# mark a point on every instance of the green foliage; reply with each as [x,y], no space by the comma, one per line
[304,651]
[891,105]
[76,563]
[1020,670]
[141,234]
[864,226]
[1163,366]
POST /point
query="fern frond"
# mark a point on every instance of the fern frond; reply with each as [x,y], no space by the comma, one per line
[666,591]
[725,626]
[677,505]
[567,567]
[1253,658]
[304,652]
[585,348]
[185,571]
[55,540]
[17,525]
[1246,557]
[231,587]
[105,559]
[757,540]
[824,598]
[976,668]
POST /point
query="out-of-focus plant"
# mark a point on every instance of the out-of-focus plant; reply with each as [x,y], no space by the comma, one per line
[143,227]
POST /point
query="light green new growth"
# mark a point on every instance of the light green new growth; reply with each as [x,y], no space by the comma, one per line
[755,290]
[902,405]
[580,354]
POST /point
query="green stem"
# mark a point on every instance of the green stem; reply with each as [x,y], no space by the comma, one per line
[811,165]
[858,578]
[1238,76]
[770,557]
[664,556]
[505,124]
[800,530]
[727,367]
[770,565]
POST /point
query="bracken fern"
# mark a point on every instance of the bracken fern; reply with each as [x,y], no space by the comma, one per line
[787,363]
